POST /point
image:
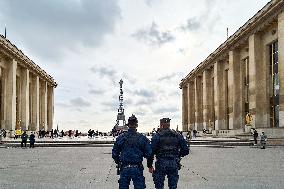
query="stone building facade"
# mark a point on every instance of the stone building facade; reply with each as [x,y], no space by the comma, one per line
[243,75]
[26,92]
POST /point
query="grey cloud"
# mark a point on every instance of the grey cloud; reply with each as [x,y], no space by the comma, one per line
[166,110]
[79,102]
[128,101]
[174,94]
[182,50]
[106,72]
[149,2]
[110,104]
[207,19]
[129,78]
[75,104]
[50,27]
[139,113]
[111,74]
[145,101]
[167,77]
[171,77]
[153,36]
[62,104]
[144,93]
[96,91]
[192,24]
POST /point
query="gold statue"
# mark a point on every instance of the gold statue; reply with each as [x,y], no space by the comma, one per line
[248,119]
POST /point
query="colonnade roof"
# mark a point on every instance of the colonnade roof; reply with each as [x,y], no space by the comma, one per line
[13,52]
[261,19]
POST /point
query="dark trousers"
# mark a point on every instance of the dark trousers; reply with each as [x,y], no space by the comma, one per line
[165,168]
[132,173]
[23,142]
[255,140]
[32,144]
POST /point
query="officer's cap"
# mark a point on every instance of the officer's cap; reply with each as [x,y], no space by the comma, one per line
[132,120]
[165,120]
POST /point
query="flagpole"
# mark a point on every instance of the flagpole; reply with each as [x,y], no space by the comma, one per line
[5,33]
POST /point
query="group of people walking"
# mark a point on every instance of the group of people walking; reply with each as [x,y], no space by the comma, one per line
[167,145]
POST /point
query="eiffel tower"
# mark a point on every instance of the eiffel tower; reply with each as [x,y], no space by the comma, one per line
[120,120]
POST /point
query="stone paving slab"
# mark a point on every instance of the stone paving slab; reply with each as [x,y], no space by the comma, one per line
[204,168]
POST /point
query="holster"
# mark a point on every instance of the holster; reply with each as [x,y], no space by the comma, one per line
[118,168]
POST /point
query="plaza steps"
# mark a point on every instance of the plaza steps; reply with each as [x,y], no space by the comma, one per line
[201,142]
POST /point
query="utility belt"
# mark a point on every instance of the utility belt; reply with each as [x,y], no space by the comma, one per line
[166,156]
[132,166]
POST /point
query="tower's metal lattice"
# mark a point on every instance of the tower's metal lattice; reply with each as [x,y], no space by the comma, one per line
[120,120]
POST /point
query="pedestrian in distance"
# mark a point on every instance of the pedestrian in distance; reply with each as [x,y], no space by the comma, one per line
[4,133]
[55,133]
[255,136]
[70,133]
[24,138]
[1,134]
[76,133]
[263,140]
[32,140]
[128,152]
[51,133]
[62,133]
[188,136]
[169,147]
[194,132]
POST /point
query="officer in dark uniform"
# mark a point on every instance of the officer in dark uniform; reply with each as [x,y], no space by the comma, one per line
[128,152]
[168,146]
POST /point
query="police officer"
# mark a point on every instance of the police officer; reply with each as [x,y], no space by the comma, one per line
[128,152]
[168,146]
[24,139]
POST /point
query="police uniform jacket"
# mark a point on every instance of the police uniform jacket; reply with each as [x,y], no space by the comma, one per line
[167,144]
[130,148]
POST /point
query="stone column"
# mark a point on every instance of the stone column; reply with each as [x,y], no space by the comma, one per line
[235,90]
[11,96]
[258,94]
[195,104]
[35,104]
[281,66]
[198,103]
[50,107]
[25,99]
[2,108]
[206,98]
[219,96]
[182,106]
[189,107]
[192,105]
[43,92]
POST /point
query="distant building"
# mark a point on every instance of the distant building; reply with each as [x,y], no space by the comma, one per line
[244,75]
[26,91]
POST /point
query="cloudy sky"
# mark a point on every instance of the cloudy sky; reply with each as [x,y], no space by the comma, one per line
[89,45]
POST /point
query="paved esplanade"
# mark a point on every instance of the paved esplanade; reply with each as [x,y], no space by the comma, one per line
[239,167]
